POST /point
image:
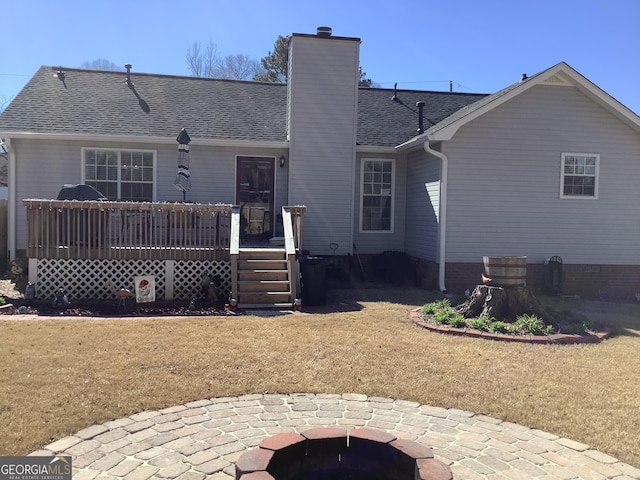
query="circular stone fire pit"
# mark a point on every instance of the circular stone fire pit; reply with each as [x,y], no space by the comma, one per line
[334,453]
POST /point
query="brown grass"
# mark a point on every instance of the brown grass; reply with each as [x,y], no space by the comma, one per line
[60,376]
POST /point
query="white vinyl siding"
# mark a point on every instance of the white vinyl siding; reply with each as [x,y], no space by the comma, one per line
[579,175]
[322,133]
[423,206]
[377,195]
[504,177]
[44,166]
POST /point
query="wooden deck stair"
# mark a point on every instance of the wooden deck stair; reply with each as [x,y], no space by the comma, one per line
[263,279]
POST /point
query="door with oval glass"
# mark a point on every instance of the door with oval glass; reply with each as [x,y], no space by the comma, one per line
[254,194]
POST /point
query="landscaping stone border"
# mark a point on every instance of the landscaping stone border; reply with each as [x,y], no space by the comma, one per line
[554,338]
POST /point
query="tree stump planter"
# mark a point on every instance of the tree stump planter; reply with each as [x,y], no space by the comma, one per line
[504,304]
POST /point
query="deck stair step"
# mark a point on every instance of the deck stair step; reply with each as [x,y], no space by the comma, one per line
[264,285]
[263,279]
[261,306]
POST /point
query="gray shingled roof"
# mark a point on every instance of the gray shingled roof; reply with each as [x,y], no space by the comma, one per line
[383,121]
[93,102]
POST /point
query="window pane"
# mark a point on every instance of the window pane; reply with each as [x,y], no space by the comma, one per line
[147,174]
[101,173]
[377,184]
[579,175]
[125,173]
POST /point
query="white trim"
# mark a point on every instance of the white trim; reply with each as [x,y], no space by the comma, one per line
[563,155]
[375,149]
[560,71]
[148,139]
[354,155]
[442,222]
[154,194]
[392,194]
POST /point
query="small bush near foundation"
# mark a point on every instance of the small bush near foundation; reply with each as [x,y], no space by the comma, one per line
[2,300]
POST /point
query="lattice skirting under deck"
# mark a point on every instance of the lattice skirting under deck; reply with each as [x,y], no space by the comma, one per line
[86,279]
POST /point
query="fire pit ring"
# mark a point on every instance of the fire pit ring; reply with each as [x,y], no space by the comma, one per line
[335,453]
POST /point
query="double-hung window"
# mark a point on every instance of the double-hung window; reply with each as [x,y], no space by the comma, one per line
[376,201]
[579,178]
[125,175]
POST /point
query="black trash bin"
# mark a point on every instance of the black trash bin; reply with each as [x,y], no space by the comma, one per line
[314,280]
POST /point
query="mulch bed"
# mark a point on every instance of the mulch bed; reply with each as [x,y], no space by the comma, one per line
[112,308]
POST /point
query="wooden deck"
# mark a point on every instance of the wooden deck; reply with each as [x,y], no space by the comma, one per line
[88,240]
[74,229]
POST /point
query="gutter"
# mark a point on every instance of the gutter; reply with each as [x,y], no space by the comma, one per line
[11,201]
[442,231]
[168,140]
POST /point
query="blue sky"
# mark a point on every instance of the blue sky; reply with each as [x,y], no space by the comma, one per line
[482,46]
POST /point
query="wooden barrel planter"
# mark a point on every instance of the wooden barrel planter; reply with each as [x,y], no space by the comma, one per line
[506,271]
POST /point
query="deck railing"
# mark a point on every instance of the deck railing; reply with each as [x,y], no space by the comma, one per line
[127,230]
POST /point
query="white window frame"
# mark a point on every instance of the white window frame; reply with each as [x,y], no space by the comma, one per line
[119,151]
[596,175]
[392,194]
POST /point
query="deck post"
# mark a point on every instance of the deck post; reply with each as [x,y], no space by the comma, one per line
[234,251]
[169,286]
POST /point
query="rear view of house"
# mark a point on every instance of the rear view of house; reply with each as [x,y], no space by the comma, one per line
[546,167]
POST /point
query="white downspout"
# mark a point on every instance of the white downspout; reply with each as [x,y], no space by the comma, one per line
[11,201]
[443,214]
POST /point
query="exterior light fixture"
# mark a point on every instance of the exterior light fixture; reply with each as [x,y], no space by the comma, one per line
[282,160]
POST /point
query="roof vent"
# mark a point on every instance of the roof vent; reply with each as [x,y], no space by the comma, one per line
[324,32]
[524,77]
[420,106]
[59,74]
[128,80]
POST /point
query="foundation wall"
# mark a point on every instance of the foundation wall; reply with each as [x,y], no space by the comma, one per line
[619,282]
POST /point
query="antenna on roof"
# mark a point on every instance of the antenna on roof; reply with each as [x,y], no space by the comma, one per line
[395,92]
[128,80]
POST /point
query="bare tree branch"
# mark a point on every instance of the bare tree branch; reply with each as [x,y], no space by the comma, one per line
[237,67]
[202,62]
[102,64]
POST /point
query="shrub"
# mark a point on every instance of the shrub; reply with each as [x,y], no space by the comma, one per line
[499,327]
[2,300]
[458,321]
[442,304]
[480,323]
[444,316]
[533,325]
[433,307]
[429,308]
